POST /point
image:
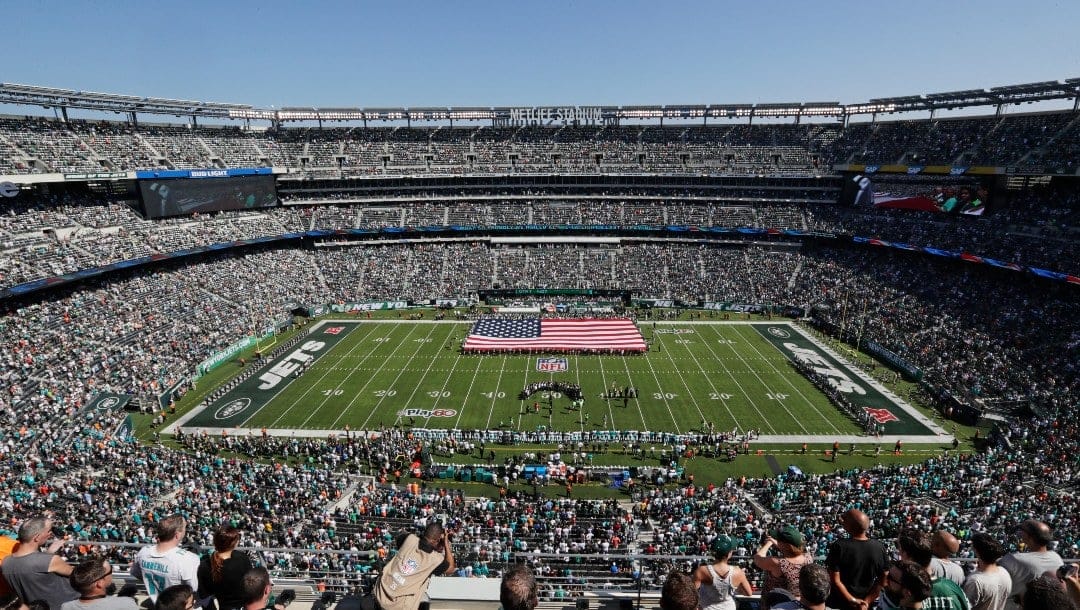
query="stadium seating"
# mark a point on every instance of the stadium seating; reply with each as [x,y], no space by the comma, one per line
[988,335]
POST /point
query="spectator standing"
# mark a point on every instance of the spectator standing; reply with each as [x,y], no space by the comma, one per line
[166,564]
[35,574]
[716,583]
[781,573]
[945,545]
[1035,561]
[404,581]
[989,586]
[945,594]
[908,583]
[221,575]
[857,565]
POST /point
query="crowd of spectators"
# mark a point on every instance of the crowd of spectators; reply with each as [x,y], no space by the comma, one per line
[55,234]
[43,145]
[982,334]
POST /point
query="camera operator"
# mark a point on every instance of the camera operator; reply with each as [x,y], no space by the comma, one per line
[404,581]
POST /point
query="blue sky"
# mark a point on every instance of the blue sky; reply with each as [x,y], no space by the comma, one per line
[557,52]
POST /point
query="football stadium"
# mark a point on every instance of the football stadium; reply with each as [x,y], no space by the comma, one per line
[608,344]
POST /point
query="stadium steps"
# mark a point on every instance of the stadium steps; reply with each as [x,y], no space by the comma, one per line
[142,139]
[795,275]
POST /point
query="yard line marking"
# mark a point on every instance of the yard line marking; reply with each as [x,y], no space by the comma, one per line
[755,373]
[723,401]
[289,408]
[446,381]
[686,385]
[348,377]
[663,395]
[787,379]
[716,330]
[315,387]
[397,418]
[495,392]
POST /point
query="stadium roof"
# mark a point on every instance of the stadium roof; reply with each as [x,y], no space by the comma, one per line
[48,97]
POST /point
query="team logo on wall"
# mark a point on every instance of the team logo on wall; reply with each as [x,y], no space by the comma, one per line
[551,365]
[233,407]
[107,404]
[779,332]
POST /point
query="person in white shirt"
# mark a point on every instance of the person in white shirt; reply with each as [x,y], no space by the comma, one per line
[166,564]
[945,545]
[1037,559]
[989,586]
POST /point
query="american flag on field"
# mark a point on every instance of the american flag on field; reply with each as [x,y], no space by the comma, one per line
[555,334]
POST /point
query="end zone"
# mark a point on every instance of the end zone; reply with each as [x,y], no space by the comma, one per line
[251,392]
[898,418]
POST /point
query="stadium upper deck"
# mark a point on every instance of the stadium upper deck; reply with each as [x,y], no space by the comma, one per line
[709,139]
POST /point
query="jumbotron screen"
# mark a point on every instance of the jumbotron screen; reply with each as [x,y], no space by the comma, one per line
[959,195]
[185,196]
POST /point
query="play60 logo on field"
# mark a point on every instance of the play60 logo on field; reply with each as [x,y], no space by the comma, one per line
[427,413]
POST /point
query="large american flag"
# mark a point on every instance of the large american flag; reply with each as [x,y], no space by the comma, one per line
[555,334]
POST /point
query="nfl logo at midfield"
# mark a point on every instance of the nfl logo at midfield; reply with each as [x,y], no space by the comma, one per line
[551,365]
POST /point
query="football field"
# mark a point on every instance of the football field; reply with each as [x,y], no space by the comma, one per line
[373,373]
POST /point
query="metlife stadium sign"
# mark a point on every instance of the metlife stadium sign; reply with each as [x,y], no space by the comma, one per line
[546,115]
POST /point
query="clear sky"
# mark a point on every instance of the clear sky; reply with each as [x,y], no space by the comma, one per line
[550,52]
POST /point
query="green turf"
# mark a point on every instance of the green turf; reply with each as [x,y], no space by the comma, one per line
[372,372]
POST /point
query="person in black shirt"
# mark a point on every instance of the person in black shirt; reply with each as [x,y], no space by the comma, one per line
[221,574]
[857,565]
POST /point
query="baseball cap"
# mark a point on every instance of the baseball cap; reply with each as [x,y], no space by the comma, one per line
[789,535]
[723,545]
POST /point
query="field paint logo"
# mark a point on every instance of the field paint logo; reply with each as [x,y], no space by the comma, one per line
[552,365]
[779,332]
[820,365]
[334,330]
[233,407]
[881,416]
[427,413]
[289,364]
[675,331]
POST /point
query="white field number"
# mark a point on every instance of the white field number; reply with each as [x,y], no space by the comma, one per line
[493,394]
[338,392]
[664,396]
[720,396]
[439,393]
[385,393]
[777,396]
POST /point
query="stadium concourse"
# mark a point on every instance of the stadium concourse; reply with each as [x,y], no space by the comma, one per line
[326,515]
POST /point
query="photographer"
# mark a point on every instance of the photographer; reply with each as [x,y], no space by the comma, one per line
[404,581]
